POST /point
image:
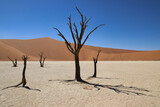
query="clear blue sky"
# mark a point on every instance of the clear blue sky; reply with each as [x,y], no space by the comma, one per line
[129,24]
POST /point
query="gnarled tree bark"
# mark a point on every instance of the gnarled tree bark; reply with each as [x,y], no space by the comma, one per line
[77,38]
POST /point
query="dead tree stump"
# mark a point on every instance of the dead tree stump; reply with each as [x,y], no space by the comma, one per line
[42,59]
[95,64]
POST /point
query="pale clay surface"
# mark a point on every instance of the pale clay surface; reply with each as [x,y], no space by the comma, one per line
[55,92]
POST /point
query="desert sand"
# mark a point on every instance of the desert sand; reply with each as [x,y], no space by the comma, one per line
[56,50]
[138,83]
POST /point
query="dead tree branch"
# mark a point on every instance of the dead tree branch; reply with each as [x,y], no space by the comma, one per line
[14,62]
[77,38]
[95,64]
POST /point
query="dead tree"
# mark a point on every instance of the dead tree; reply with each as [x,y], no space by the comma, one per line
[23,82]
[95,64]
[42,59]
[14,62]
[77,38]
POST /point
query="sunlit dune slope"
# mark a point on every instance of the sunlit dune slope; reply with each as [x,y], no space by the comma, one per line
[56,50]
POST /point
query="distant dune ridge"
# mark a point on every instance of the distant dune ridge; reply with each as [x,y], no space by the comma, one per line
[56,50]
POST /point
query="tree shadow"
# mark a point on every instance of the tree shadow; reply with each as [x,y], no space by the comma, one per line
[120,88]
[128,90]
[63,80]
[100,78]
[106,78]
[26,87]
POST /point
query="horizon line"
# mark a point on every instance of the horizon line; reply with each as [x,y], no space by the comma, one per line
[85,45]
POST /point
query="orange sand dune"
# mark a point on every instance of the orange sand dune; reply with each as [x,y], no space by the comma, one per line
[134,56]
[7,50]
[56,50]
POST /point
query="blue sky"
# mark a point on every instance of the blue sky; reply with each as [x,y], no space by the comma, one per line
[129,24]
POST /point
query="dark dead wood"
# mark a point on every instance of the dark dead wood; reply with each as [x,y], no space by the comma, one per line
[14,62]
[95,64]
[23,82]
[42,59]
[77,38]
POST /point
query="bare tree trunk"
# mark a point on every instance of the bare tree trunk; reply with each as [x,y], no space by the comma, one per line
[23,82]
[77,69]
[95,69]
[23,74]
[95,60]
[77,38]
[15,63]
[41,65]
[41,60]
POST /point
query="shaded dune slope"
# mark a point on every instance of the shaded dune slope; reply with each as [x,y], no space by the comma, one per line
[57,51]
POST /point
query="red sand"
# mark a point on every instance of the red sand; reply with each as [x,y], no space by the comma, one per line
[56,51]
